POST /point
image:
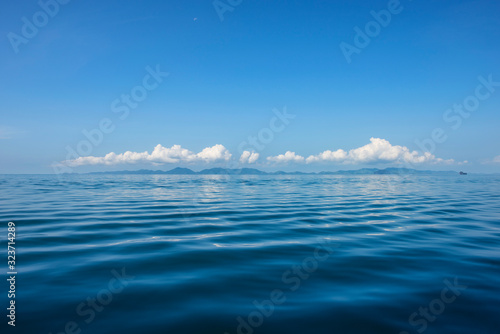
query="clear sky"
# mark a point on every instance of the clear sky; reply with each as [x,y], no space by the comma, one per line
[362,92]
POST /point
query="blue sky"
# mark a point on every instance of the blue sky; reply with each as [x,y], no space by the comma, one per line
[228,78]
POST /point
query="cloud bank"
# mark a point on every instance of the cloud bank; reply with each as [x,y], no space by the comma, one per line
[160,154]
[377,151]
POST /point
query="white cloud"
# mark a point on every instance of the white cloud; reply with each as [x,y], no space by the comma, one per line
[248,157]
[496,159]
[214,153]
[287,157]
[337,156]
[160,155]
[7,132]
[378,150]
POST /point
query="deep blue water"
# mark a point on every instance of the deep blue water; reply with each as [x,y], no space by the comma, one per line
[322,254]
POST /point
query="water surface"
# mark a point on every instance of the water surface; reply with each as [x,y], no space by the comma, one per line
[255,254]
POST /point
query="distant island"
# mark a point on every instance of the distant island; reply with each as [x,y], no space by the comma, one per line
[253,171]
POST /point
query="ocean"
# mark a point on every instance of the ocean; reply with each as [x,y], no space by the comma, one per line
[253,254]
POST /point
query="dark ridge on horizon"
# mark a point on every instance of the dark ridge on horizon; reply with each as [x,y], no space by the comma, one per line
[253,171]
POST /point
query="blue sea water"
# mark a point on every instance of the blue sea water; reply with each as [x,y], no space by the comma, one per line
[253,254]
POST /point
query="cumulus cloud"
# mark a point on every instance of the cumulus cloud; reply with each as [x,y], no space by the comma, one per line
[248,157]
[378,150]
[287,157]
[160,155]
[337,156]
[214,153]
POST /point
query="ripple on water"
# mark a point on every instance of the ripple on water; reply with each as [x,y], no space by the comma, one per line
[204,249]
